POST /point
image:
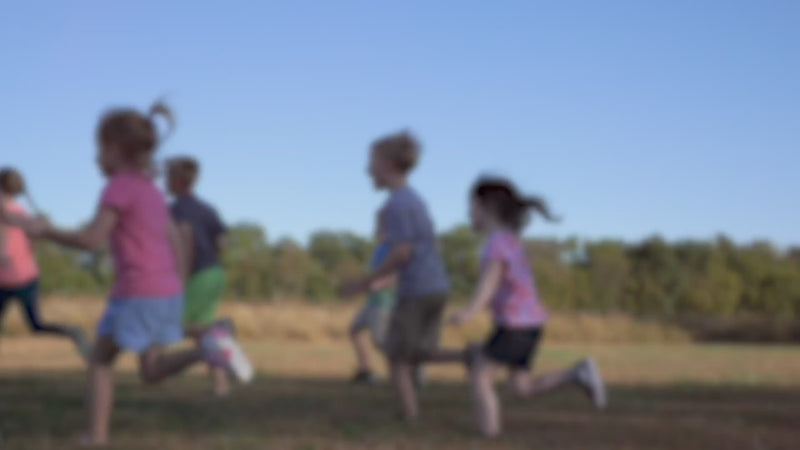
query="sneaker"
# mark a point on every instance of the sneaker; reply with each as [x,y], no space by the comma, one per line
[221,349]
[589,377]
[364,377]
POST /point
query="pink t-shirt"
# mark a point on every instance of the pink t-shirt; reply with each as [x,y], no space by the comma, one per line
[144,260]
[516,303]
[22,268]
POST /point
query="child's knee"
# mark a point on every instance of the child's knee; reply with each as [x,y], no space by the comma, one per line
[148,368]
[148,374]
[103,353]
[520,391]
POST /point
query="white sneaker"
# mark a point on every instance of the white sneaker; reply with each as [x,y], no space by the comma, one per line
[589,377]
[221,349]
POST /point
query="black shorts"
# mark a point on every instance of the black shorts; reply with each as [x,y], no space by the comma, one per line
[514,348]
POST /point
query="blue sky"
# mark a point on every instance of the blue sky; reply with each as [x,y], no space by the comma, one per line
[680,118]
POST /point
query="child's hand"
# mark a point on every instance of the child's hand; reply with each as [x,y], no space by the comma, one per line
[38,227]
[352,288]
[460,317]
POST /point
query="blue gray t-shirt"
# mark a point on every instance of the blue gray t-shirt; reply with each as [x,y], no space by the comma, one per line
[206,229]
[406,220]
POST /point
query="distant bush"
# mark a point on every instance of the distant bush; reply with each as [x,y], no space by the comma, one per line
[649,278]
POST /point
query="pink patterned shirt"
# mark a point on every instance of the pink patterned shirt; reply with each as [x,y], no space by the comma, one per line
[516,303]
[144,260]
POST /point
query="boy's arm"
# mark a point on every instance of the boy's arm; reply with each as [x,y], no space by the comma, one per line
[221,242]
[221,234]
[398,257]
[487,287]
[30,225]
[4,261]
[180,236]
[386,282]
[93,237]
[187,241]
[399,228]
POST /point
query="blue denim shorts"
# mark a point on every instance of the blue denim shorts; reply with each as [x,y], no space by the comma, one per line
[137,324]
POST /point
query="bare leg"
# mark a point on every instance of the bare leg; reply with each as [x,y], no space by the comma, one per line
[554,380]
[195,331]
[403,383]
[155,365]
[361,345]
[219,377]
[100,398]
[30,302]
[525,386]
[485,395]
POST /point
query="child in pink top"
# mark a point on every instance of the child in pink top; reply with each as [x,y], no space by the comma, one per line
[507,287]
[19,273]
[145,307]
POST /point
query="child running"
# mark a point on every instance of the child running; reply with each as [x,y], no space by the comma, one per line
[507,286]
[422,286]
[145,307]
[19,273]
[203,235]
[374,316]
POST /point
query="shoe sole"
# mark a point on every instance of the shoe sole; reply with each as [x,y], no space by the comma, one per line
[234,361]
[239,364]
[599,395]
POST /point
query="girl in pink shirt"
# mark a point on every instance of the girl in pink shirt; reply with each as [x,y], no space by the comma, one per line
[19,273]
[145,307]
[507,287]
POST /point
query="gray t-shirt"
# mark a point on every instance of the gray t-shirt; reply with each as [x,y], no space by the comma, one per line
[206,229]
[406,220]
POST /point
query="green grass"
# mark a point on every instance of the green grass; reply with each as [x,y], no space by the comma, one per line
[662,397]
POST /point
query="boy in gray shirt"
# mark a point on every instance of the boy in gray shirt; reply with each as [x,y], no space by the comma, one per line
[422,285]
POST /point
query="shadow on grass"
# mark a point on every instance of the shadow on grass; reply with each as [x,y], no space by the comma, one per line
[44,410]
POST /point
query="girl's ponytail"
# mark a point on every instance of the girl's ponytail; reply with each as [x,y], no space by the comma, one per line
[500,196]
[159,108]
[539,205]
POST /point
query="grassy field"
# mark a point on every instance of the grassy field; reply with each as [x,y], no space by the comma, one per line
[662,397]
[666,393]
[305,322]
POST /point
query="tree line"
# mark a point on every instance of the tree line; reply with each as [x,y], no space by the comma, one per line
[653,277]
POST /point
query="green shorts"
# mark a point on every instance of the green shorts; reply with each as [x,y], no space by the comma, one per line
[203,294]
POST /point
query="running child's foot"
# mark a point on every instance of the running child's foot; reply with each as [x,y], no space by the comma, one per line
[589,377]
[365,377]
[221,349]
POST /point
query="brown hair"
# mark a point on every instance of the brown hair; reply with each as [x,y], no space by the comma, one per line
[500,196]
[186,168]
[134,132]
[402,149]
[11,181]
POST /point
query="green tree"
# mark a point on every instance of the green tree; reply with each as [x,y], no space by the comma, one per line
[460,252]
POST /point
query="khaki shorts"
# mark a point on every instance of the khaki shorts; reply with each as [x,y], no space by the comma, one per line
[415,328]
